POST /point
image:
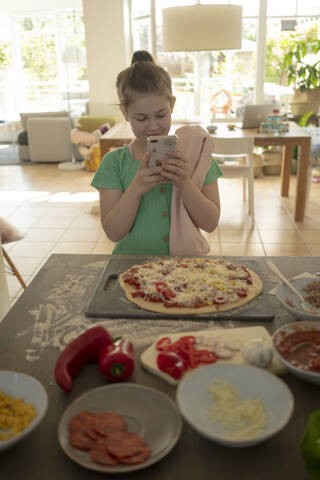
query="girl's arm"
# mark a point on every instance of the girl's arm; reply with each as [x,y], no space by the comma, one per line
[118,209]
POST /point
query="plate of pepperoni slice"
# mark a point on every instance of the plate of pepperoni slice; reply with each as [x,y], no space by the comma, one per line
[119,428]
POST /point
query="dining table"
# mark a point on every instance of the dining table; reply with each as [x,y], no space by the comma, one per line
[296,136]
[52,310]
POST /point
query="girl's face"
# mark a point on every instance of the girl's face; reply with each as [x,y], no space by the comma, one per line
[149,115]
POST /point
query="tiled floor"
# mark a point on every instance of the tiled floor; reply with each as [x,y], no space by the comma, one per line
[54,210]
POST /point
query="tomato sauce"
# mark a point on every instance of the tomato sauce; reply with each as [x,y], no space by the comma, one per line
[302,349]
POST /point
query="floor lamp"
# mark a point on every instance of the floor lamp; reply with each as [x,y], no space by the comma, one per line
[72,55]
[201,28]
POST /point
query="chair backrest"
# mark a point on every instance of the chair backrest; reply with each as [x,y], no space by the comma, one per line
[233,146]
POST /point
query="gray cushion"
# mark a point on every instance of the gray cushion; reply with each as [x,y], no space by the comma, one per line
[23,138]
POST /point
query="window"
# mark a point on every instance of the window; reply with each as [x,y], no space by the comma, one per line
[47,61]
[227,74]
[282,25]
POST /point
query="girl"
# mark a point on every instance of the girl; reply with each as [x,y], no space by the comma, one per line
[135,200]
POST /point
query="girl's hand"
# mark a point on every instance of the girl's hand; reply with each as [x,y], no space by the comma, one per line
[146,178]
[176,169]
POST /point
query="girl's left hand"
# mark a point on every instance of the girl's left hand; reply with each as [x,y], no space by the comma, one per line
[176,169]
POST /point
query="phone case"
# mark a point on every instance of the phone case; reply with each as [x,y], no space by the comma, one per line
[159,148]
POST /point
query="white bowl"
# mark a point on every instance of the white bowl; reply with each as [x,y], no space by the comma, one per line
[20,385]
[284,294]
[212,128]
[287,329]
[194,401]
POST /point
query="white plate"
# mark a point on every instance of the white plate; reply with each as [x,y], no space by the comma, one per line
[148,412]
[194,401]
[20,385]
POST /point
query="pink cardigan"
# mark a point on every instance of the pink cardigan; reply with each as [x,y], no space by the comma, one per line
[185,237]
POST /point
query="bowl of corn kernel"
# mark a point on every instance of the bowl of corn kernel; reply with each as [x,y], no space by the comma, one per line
[23,404]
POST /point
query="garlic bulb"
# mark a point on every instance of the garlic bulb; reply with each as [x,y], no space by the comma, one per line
[258,352]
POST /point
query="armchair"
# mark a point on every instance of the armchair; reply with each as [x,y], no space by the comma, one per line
[46,137]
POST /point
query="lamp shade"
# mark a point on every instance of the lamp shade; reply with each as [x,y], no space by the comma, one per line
[202,27]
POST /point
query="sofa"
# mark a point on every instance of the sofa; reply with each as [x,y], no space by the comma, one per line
[47,136]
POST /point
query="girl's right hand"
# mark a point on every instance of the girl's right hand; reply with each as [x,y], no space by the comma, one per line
[147,177]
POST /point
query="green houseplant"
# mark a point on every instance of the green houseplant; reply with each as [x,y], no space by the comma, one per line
[303,65]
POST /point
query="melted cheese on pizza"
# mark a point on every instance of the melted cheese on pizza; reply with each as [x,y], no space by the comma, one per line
[189,282]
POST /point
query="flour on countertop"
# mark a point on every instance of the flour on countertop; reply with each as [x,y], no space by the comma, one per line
[60,318]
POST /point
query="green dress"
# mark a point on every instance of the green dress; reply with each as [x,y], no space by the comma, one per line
[149,234]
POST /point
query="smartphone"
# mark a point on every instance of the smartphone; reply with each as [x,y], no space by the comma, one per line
[159,146]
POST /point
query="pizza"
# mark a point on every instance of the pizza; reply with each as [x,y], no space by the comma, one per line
[187,285]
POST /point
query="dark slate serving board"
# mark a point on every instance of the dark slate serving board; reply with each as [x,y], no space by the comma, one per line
[109,300]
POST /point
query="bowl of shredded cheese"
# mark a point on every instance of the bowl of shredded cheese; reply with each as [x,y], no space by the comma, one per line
[23,404]
[235,405]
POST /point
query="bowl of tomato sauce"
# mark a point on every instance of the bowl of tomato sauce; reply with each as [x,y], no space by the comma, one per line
[298,346]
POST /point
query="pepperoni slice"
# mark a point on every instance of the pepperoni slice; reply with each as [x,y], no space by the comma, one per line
[79,439]
[100,454]
[89,430]
[140,457]
[105,435]
[80,421]
[124,444]
[105,422]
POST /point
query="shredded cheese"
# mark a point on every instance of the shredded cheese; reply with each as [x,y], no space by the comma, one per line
[242,419]
[193,279]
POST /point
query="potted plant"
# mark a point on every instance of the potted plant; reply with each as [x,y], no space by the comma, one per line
[303,65]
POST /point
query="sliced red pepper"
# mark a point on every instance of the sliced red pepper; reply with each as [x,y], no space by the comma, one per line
[116,362]
[171,363]
[132,281]
[163,344]
[163,288]
[190,339]
[184,348]
[204,356]
[242,293]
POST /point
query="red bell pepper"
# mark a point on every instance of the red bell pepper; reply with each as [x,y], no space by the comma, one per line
[116,361]
[83,349]
[171,363]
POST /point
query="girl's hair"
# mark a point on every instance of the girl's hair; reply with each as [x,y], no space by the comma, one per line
[143,76]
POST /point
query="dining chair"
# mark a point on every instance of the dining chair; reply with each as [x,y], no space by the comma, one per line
[4,291]
[235,158]
[9,233]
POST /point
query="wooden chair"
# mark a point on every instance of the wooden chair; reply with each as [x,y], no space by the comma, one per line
[9,233]
[227,152]
[13,268]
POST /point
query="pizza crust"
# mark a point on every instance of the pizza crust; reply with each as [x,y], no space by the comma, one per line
[254,291]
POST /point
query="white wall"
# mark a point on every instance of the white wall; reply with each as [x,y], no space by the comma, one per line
[107,54]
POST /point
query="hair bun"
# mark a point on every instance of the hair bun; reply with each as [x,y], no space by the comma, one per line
[142,56]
